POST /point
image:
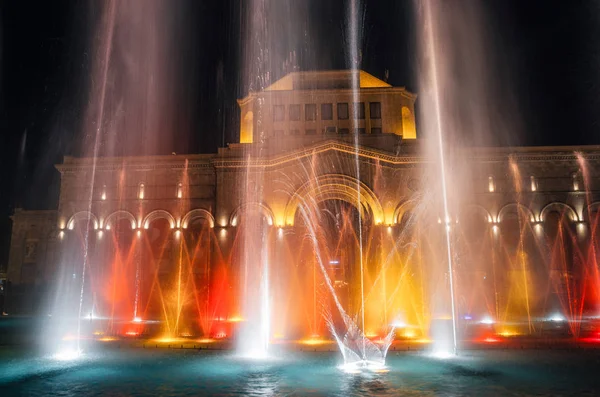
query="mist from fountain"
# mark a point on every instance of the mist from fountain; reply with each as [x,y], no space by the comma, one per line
[333,267]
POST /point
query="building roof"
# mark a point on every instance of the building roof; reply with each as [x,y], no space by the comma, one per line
[328,79]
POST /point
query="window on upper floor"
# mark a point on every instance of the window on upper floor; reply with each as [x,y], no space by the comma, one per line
[326,111]
[294,112]
[360,131]
[359,110]
[342,111]
[343,131]
[330,130]
[294,132]
[375,110]
[375,130]
[311,132]
[310,112]
[141,191]
[278,112]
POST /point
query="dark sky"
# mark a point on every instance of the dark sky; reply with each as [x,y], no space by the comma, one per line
[544,53]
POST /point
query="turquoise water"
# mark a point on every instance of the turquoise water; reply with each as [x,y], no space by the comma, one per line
[144,372]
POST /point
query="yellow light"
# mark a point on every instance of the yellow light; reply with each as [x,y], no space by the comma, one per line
[491,186]
[236,319]
[206,340]
[167,339]
[314,341]
[107,339]
[409,333]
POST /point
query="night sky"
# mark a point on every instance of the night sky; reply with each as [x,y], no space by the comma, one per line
[546,54]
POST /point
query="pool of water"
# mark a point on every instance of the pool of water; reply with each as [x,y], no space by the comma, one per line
[142,372]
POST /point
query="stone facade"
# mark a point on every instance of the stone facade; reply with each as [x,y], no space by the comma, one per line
[273,170]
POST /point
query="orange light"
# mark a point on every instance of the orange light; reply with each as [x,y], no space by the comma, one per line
[409,333]
[313,341]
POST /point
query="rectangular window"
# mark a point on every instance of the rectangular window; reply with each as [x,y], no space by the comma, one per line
[310,112]
[342,109]
[330,130]
[375,130]
[278,112]
[375,110]
[295,112]
[294,132]
[311,132]
[360,131]
[359,110]
[326,111]
[344,131]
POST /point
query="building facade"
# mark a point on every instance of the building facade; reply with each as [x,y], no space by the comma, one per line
[310,137]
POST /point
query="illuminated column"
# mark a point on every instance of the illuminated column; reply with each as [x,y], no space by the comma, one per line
[280,279]
[496,262]
[138,241]
[100,269]
[583,233]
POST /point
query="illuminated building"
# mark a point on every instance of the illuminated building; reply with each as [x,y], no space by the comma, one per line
[300,139]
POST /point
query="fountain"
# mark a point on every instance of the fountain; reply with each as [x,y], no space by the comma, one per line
[365,241]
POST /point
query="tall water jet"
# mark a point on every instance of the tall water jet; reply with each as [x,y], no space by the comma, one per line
[355,34]
[253,336]
[130,105]
[429,41]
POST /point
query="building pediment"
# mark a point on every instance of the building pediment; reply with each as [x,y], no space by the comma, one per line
[247,160]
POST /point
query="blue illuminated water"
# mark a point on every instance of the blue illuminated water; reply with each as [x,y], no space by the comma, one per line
[140,372]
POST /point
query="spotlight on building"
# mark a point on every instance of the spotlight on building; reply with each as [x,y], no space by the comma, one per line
[556,318]
[68,354]
[488,320]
